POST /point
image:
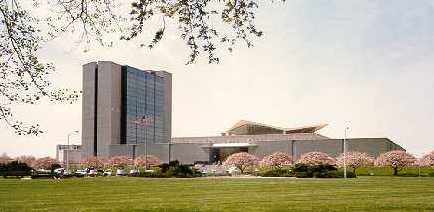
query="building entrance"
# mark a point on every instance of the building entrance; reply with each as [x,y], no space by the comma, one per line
[220,154]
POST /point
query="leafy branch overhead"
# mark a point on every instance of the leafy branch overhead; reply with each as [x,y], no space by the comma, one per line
[204,25]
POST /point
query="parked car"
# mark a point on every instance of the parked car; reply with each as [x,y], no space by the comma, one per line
[80,173]
[134,172]
[121,172]
[92,172]
[107,172]
[59,171]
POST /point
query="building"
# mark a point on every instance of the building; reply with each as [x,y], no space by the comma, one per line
[126,111]
[261,140]
[72,153]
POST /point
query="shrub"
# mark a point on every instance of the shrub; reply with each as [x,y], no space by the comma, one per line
[149,161]
[396,159]
[276,160]
[276,172]
[316,159]
[319,171]
[355,160]
[173,169]
[243,161]
[15,168]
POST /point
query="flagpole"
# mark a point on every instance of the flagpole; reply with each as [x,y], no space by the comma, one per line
[345,152]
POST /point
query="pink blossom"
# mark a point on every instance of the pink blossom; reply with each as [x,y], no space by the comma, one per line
[277,159]
[4,159]
[427,160]
[355,160]
[120,161]
[396,159]
[316,158]
[27,159]
[150,160]
[45,163]
[243,161]
[93,162]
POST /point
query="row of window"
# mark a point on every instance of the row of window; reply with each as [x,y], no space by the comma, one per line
[145,97]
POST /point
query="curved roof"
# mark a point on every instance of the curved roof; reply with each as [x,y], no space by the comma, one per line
[244,127]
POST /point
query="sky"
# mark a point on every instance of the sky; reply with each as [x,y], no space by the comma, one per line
[364,64]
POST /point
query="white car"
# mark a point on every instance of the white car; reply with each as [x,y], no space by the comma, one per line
[134,172]
[81,172]
[93,172]
[120,172]
[107,172]
[59,171]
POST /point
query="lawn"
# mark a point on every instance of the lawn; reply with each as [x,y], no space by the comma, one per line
[219,194]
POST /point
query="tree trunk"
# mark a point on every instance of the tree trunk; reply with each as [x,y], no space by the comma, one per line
[395,171]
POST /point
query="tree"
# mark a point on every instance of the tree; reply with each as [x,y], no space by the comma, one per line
[316,158]
[355,160]
[45,163]
[27,159]
[204,26]
[120,161]
[396,159]
[276,160]
[148,161]
[243,161]
[93,162]
[427,160]
[4,159]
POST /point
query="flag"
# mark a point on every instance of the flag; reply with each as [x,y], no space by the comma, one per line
[144,121]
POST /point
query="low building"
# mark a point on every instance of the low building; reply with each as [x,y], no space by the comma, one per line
[261,140]
[245,136]
[71,153]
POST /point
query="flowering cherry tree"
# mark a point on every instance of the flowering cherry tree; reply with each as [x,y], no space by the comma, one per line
[45,163]
[243,161]
[4,158]
[396,159]
[316,158]
[276,160]
[150,160]
[120,161]
[355,160]
[93,162]
[27,159]
[427,160]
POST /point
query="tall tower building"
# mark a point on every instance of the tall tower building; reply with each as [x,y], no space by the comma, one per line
[126,111]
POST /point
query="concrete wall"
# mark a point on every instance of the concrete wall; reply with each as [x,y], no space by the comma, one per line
[109,106]
[88,109]
[191,152]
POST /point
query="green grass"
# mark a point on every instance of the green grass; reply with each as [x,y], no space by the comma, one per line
[219,194]
[387,171]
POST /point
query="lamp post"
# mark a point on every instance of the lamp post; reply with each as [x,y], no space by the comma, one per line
[345,152]
[67,151]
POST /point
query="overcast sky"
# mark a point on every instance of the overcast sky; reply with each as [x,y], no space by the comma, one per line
[365,64]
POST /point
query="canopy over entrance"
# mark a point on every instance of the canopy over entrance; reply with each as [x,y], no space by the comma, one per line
[253,128]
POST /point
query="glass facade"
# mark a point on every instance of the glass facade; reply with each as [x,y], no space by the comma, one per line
[143,107]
